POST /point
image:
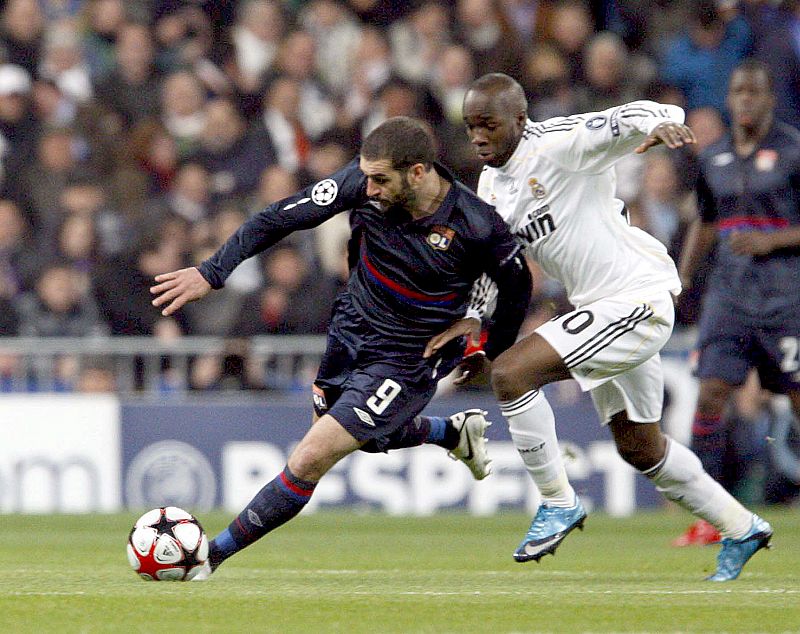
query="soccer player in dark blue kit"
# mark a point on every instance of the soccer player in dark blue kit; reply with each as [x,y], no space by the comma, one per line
[748,194]
[420,240]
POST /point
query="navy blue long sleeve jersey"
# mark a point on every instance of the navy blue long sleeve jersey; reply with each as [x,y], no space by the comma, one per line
[760,192]
[411,278]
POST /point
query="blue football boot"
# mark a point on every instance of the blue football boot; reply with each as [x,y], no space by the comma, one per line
[736,553]
[548,529]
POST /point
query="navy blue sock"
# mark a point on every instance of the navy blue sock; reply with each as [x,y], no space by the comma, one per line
[442,432]
[419,430]
[709,438]
[278,502]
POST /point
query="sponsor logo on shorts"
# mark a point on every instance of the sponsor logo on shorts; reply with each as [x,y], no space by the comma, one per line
[364,417]
[319,398]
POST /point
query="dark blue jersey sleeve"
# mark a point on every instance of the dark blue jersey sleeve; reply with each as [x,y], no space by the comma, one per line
[308,208]
[508,269]
[706,204]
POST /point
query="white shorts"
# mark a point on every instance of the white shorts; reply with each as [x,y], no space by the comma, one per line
[611,349]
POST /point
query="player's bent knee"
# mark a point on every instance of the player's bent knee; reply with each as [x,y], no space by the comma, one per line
[508,379]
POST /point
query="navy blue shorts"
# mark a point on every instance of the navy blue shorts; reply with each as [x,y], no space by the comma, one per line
[731,342]
[369,385]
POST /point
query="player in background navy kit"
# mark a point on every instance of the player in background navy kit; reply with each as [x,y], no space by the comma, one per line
[748,194]
[420,241]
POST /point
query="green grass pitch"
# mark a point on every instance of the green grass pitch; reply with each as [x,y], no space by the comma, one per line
[345,572]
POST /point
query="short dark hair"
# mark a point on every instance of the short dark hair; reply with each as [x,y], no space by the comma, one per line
[705,14]
[403,141]
[753,65]
[505,88]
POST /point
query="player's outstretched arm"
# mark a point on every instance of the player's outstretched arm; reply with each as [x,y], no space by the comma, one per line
[671,133]
[763,242]
[178,288]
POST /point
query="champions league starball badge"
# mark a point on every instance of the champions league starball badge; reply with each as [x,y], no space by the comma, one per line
[324,192]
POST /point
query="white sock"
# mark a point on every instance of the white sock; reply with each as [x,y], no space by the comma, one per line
[533,430]
[681,478]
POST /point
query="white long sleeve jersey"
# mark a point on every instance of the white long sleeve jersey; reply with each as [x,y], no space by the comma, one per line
[557,193]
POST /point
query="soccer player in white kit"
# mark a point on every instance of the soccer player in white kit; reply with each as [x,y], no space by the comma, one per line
[553,183]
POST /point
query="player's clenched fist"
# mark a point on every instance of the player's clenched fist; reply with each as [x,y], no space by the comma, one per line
[178,288]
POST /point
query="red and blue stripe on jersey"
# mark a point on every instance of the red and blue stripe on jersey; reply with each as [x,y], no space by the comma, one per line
[401,292]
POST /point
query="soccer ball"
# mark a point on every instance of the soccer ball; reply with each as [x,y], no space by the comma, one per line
[167,544]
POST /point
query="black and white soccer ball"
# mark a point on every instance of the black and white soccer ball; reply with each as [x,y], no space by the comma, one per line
[167,544]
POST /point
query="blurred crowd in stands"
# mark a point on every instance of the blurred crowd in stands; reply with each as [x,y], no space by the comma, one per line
[136,135]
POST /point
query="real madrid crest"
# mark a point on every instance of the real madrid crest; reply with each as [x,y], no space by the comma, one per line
[537,189]
[441,237]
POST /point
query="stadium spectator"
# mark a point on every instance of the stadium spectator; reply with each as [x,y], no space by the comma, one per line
[121,285]
[183,38]
[150,160]
[700,60]
[483,28]
[220,317]
[297,60]
[76,244]
[21,33]
[662,208]
[337,35]
[45,178]
[748,191]
[188,197]
[132,88]
[62,61]
[399,98]
[85,195]
[779,48]
[96,376]
[183,101]
[545,78]
[418,39]
[568,27]
[57,307]
[256,37]
[281,118]
[18,127]
[104,20]
[19,262]
[294,299]
[372,67]
[611,74]
[233,152]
